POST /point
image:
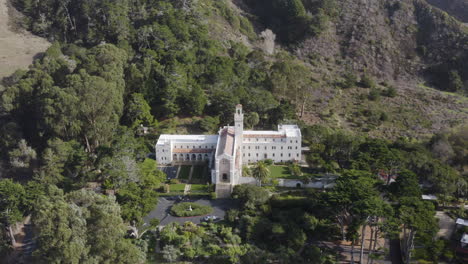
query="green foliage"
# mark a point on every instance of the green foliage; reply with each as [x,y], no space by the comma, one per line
[261,172]
[350,80]
[81,225]
[367,81]
[390,92]
[291,20]
[136,201]
[183,209]
[138,112]
[455,81]
[250,195]
[13,202]
[374,94]
[209,124]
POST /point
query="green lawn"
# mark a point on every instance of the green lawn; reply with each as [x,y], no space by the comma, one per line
[198,172]
[199,188]
[184,172]
[281,171]
[177,187]
[200,175]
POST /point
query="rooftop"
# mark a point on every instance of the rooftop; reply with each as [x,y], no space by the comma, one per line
[226,142]
[211,139]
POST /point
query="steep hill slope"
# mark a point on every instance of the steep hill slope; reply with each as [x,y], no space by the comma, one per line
[456,8]
[408,45]
[17,47]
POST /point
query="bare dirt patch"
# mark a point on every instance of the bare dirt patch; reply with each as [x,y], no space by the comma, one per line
[17,46]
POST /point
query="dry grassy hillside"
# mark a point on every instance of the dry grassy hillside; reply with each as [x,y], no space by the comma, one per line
[17,47]
[384,39]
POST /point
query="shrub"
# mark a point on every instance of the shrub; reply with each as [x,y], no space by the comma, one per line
[390,92]
[181,209]
[367,81]
[174,181]
[349,81]
[374,95]
[383,117]
[154,222]
[268,162]
[213,196]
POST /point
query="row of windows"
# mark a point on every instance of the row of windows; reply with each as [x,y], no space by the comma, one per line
[265,155]
[272,147]
[274,140]
[211,147]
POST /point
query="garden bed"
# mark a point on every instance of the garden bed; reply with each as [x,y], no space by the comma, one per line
[182,209]
[184,173]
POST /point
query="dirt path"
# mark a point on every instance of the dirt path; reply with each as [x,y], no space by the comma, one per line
[17,47]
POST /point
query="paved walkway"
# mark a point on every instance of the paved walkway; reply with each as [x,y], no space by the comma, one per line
[187,188]
[446,225]
[220,206]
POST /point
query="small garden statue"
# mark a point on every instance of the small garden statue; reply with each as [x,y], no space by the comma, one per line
[190,208]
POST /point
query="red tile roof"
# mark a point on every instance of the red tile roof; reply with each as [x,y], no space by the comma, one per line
[226,142]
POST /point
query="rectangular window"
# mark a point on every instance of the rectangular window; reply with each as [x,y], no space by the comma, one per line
[289,154]
[296,147]
[273,154]
[257,154]
[298,155]
[243,155]
[281,155]
[265,147]
[249,154]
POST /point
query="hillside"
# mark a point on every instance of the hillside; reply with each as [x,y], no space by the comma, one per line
[17,46]
[382,68]
[404,44]
[456,8]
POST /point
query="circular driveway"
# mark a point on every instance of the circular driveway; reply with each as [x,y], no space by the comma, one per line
[161,212]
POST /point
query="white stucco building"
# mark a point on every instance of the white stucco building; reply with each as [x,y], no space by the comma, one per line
[230,149]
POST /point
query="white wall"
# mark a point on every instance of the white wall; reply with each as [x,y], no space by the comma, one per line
[276,149]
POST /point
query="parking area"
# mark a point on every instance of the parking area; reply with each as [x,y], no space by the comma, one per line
[220,206]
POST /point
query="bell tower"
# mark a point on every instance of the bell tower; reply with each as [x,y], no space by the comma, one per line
[239,125]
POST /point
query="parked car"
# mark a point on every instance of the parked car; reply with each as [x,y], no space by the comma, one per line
[209,218]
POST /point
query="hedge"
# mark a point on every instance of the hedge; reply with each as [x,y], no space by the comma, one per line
[181,209]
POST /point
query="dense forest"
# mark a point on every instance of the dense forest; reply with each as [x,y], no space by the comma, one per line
[116,66]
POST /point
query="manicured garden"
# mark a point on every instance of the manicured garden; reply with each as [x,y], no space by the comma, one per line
[184,172]
[183,209]
[200,189]
[283,172]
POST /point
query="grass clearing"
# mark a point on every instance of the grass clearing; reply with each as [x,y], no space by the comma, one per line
[180,187]
[200,189]
[282,172]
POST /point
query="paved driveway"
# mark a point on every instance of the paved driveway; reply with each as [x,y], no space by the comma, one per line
[220,206]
